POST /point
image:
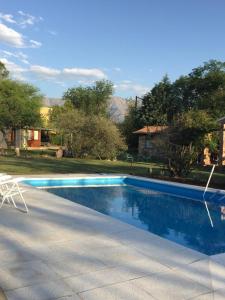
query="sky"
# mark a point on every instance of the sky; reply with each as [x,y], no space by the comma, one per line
[59,44]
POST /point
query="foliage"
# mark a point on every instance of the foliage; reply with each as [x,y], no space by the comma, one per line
[154,105]
[184,140]
[179,159]
[85,135]
[92,99]
[20,105]
[131,123]
[4,73]
[104,139]
[202,89]
[192,127]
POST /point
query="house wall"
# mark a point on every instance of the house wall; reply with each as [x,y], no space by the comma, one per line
[222,145]
[34,139]
[141,145]
[146,145]
[45,111]
[3,144]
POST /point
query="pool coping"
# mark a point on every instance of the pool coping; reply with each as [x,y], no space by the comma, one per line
[176,257]
[80,176]
[95,176]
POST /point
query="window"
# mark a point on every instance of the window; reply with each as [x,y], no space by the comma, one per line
[35,135]
[29,135]
[147,142]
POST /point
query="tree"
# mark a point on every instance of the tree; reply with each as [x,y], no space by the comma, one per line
[192,127]
[104,139]
[19,106]
[202,89]
[155,104]
[91,100]
[4,73]
[184,140]
[131,123]
[84,135]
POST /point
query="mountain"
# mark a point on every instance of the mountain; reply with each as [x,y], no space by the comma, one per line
[117,106]
[49,102]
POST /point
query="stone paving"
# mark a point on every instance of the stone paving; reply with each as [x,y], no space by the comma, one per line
[62,250]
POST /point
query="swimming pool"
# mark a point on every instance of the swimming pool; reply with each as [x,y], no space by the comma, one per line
[173,211]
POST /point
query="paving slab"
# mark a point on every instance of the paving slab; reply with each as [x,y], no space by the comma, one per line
[122,291]
[62,250]
[43,291]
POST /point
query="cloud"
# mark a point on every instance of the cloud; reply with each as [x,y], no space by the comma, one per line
[85,73]
[35,44]
[18,55]
[11,37]
[27,19]
[15,70]
[44,71]
[134,88]
[81,74]
[7,18]
[15,39]
[52,32]
[117,69]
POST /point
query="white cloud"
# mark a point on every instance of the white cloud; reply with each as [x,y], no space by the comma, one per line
[52,32]
[7,18]
[35,44]
[11,37]
[44,71]
[27,19]
[86,73]
[117,69]
[15,70]
[134,88]
[15,39]
[18,55]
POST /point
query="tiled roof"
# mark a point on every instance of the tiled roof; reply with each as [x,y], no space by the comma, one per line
[150,129]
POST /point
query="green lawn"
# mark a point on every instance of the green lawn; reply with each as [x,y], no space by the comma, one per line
[35,164]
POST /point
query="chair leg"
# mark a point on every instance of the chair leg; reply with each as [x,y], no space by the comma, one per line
[24,202]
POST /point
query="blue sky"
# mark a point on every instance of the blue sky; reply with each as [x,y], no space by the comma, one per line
[59,44]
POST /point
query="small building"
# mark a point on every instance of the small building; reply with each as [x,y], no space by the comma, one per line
[222,142]
[26,138]
[146,138]
[32,137]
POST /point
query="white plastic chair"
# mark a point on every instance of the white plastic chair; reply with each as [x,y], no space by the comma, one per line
[9,189]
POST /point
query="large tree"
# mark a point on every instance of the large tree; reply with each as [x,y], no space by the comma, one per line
[92,100]
[87,135]
[202,89]
[19,105]
[155,103]
[131,123]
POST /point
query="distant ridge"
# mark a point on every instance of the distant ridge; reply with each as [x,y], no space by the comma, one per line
[49,102]
[117,106]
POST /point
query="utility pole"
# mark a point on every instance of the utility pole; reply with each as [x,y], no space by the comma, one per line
[136,100]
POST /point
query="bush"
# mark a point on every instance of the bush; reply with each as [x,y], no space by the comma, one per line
[93,136]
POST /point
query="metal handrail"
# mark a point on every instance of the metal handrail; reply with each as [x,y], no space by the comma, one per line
[206,188]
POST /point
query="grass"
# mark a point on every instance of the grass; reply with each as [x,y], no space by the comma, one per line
[47,164]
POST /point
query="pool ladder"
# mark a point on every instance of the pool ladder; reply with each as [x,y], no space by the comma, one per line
[203,196]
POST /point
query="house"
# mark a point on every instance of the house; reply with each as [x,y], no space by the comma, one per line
[29,137]
[146,138]
[222,142]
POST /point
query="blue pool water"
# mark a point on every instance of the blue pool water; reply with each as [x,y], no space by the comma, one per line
[160,208]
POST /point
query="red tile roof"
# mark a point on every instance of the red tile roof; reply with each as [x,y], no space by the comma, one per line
[150,129]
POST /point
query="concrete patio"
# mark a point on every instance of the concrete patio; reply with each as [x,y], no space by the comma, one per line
[62,250]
